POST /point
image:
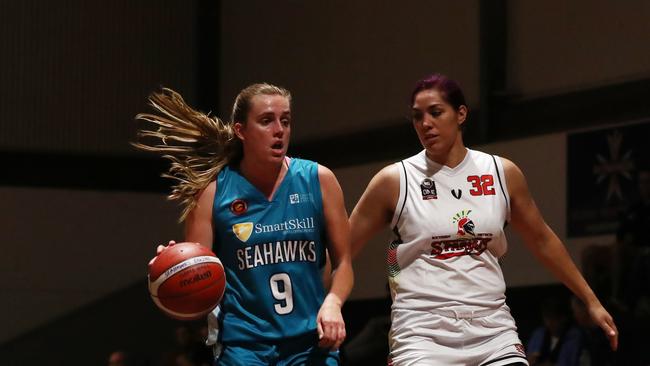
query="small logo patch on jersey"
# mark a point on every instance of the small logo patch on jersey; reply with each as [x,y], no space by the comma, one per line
[428,188]
[238,207]
[243,230]
[457,194]
[300,198]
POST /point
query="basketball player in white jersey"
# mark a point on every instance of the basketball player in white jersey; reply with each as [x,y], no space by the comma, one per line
[447,207]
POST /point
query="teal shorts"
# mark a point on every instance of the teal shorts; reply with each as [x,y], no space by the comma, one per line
[302,350]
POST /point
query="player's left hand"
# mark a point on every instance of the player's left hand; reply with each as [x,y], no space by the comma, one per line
[331,327]
[160,249]
[601,317]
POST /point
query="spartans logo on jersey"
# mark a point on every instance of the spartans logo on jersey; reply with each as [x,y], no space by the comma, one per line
[243,230]
[465,224]
[466,241]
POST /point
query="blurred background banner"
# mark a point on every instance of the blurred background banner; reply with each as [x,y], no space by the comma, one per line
[601,176]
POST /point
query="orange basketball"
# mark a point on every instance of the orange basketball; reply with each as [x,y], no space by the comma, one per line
[186,281]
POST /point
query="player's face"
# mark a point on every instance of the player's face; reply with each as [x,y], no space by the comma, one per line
[265,135]
[436,122]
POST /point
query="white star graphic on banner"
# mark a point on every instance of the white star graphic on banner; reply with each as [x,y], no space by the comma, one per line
[614,167]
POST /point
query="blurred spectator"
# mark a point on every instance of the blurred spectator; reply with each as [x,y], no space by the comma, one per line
[119,358]
[184,360]
[557,342]
[190,348]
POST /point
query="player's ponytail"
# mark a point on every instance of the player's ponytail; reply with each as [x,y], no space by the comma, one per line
[197,144]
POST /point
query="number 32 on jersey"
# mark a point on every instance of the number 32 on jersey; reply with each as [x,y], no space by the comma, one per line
[481,185]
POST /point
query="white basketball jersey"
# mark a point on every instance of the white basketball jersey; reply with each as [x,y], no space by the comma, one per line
[449,234]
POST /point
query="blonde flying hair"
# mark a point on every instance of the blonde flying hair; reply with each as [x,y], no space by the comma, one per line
[197,144]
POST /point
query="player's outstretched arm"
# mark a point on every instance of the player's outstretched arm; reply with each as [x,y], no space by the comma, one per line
[547,247]
[331,327]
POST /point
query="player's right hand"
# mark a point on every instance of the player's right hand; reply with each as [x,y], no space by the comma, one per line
[330,324]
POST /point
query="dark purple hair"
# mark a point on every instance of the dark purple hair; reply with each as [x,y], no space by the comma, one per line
[450,89]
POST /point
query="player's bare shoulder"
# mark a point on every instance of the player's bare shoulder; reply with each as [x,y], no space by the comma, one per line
[205,197]
[325,173]
[388,177]
[508,165]
[330,186]
[515,179]
[383,188]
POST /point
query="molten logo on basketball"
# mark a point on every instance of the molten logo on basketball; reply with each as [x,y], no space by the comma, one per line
[195,278]
[243,230]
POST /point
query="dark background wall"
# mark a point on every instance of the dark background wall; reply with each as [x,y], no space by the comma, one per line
[82,211]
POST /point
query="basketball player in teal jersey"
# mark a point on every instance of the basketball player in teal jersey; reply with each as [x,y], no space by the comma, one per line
[448,206]
[271,220]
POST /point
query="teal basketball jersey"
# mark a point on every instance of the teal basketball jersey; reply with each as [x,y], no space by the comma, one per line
[273,253]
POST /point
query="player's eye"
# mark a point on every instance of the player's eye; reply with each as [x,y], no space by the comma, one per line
[435,112]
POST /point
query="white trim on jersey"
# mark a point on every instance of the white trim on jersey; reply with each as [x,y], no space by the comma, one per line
[501,176]
[403,194]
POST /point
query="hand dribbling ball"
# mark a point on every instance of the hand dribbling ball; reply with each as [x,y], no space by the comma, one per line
[186,281]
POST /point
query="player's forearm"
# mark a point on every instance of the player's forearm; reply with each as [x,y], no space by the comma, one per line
[553,254]
[342,281]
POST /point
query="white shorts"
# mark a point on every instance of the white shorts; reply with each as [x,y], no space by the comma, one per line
[456,338]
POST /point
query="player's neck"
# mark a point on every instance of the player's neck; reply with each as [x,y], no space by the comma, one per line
[451,158]
[264,176]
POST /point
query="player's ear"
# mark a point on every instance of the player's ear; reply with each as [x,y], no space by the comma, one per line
[462,114]
[238,127]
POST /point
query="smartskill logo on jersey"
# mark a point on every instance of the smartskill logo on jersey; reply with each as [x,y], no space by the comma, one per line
[244,230]
[305,225]
[280,251]
[465,242]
